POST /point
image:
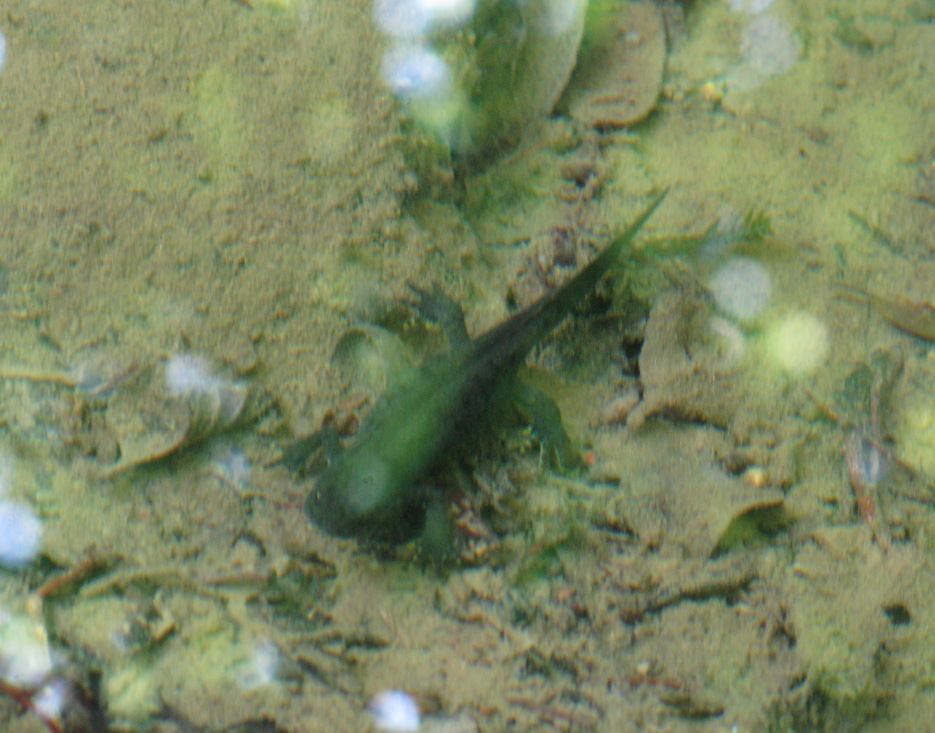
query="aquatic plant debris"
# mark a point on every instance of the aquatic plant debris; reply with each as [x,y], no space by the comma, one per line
[916,317]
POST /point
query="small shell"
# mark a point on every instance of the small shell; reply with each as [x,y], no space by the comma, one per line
[183,405]
[215,410]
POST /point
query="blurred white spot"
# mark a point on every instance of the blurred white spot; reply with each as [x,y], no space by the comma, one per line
[416,73]
[395,711]
[25,660]
[50,700]
[741,288]
[20,531]
[262,668]
[413,18]
[798,343]
[191,376]
[187,374]
[232,464]
[2,51]
[400,18]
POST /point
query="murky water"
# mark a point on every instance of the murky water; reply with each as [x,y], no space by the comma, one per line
[200,201]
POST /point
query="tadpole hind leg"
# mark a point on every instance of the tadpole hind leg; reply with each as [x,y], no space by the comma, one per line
[437,307]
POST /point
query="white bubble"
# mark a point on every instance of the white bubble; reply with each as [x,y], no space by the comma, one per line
[20,532]
[416,73]
[395,711]
[741,288]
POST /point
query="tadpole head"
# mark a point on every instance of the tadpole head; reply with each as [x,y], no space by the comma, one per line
[360,499]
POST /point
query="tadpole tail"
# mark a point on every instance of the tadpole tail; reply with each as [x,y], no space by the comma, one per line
[545,314]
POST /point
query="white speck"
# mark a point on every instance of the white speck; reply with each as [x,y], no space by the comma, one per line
[232,464]
[741,288]
[262,668]
[2,51]
[395,711]
[20,531]
[416,73]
